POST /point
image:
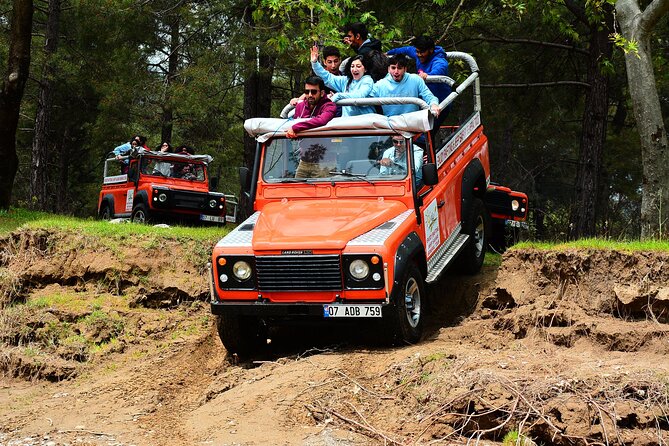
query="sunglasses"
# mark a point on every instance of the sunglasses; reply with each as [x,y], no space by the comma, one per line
[398,142]
[311,91]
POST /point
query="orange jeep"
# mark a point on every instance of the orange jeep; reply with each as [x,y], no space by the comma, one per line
[161,186]
[357,238]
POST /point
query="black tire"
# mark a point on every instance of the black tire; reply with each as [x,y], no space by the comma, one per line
[242,335]
[406,320]
[477,226]
[105,212]
[140,214]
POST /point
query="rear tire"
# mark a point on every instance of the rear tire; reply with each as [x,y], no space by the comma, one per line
[105,212]
[407,314]
[140,214]
[242,335]
[476,226]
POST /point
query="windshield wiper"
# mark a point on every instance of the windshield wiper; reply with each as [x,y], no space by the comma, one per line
[291,180]
[346,173]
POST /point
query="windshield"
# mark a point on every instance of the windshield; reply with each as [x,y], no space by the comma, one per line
[173,169]
[371,158]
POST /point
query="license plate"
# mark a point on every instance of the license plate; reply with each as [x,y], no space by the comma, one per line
[344,310]
[214,218]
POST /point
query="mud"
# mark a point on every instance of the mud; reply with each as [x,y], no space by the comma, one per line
[112,343]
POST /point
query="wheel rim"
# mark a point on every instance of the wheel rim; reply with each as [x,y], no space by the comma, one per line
[140,217]
[106,213]
[412,302]
[479,236]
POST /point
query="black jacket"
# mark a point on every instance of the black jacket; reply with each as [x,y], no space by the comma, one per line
[373,44]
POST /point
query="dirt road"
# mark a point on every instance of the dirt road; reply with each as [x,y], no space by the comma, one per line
[111,346]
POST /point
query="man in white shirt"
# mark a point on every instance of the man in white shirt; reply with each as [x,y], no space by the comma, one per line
[394,159]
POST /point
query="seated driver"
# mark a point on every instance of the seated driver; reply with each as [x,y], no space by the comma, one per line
[394,159]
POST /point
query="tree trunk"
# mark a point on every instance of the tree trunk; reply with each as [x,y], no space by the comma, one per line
[11,94]
[257,100]
[64,160]
[39,173]
[593,134]
[172,68]
[637,26]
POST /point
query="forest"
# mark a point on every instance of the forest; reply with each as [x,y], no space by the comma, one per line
[575,94]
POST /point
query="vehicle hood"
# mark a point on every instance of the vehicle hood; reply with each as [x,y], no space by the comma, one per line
[319,224]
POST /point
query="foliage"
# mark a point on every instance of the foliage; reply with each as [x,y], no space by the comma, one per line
[113,79]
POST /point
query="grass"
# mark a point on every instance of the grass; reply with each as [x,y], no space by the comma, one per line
[17,218]
[598,244]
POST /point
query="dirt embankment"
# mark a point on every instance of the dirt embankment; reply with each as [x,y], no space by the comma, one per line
[112,343]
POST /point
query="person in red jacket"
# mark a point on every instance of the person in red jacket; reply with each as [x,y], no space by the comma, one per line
[317,107]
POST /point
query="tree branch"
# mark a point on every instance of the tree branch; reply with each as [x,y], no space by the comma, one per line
[539,84]
[529,42]
[578,11]
[653,13]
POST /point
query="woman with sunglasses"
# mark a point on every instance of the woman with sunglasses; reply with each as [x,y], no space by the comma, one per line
[355,84]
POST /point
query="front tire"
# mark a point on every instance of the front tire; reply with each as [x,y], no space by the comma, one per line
[140,214]
[105,212]
[242,335]
[406,321]
[476,226]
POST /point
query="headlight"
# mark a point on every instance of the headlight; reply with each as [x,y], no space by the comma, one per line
[359,269]
[212,203]
[241,270]
[514,205]
[162,198]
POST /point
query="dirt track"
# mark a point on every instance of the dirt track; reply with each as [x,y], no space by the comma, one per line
[567,348]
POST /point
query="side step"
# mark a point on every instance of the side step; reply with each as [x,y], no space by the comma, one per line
[435,272]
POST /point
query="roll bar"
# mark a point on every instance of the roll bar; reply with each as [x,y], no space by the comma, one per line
[473,78]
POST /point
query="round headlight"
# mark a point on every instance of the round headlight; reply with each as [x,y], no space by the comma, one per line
[514,205]
[162,198]
[212,203]
[241,270]
[359,269]
[223,278]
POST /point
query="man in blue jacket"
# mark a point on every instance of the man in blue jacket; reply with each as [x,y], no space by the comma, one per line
[399,83]
[430,60]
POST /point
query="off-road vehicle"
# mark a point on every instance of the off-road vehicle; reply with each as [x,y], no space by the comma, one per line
[358,238]
[147,185]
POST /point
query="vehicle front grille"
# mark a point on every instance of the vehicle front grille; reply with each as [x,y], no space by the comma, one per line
[299,273]
[190,200]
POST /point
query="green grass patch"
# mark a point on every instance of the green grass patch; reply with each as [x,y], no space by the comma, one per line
[598,244]
[20,218]
[492,259]
[16,217]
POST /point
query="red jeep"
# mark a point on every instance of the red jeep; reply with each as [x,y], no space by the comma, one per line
[161,186]
[357,238]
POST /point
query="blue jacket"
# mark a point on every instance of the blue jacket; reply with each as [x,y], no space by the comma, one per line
[436,66]
[361,88]
[123,149]
[411,85]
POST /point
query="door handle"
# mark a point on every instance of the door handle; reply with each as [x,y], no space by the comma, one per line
[441,203]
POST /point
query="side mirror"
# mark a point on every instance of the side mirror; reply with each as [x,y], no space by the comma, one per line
[430,175]
[213,183]
[245,179]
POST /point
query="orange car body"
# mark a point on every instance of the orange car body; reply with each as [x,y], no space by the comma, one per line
[349,243]
[162,186]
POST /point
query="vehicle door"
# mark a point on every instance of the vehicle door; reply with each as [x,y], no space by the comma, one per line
[125,193]
[438,209]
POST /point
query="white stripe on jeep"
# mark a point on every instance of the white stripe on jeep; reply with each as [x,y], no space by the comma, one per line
[378,235]
[240,236]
